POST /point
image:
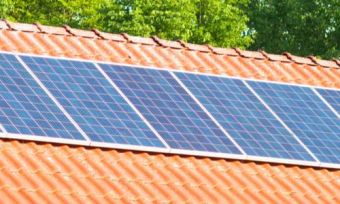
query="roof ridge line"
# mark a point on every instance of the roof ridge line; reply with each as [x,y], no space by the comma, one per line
[156,41]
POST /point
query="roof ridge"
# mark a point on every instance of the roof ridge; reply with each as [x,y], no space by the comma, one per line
[156,41]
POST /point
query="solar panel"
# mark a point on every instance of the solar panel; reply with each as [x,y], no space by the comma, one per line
[306,115]
[104,106]
[170,110]
[332,97]
[244,117]
[26,109]
[92,102]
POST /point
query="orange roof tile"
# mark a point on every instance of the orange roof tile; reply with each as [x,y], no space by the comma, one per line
[33,172]
[37,172]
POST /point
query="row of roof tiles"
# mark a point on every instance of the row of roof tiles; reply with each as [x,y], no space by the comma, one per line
[43,173]
[155,41]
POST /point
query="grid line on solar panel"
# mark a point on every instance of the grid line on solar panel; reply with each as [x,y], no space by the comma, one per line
[92,102]
[306,115]
[170,110]
[25,108]
[332,97]
[244,117]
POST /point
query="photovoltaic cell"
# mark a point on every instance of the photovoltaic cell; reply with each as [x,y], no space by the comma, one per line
[92,102]
[170,110]
[25,108]
[306,115]
[244,117]
[332,97]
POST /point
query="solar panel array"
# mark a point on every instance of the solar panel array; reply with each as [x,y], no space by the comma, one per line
[117,106]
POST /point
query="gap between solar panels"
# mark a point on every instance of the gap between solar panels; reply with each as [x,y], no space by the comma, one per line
[150,109]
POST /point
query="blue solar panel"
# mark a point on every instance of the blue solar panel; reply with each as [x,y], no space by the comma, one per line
[244,117]
[332,97]
[92,102]
[306,115]
[171,111]
[25,108]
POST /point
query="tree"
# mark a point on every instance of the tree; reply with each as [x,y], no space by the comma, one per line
[5,7]
[218,22]
[166,18]
[221,23]
[303,27]
[76,13]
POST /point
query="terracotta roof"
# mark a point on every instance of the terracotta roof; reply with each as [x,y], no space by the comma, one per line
[33,172]
[40,173]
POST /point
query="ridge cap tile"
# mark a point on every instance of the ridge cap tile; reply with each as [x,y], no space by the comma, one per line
[325,63]
[197,47]
[250,54]
[125,36]
[3,25]
[68,29]
[80,32]
[183,44]
[22,27]
[299,60]
[168,43]
[264,53]
[337,61]
[139,40]
[53,30]
[277,57]
[328,63]
[110,36]
[224,51]
[156,39]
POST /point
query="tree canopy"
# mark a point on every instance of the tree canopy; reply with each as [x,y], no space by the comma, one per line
[302,27]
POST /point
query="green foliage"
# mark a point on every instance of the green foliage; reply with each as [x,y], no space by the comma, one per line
[221,23]
[217,22]
[76,13]
[5,7]
[166,18]
[303,27]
